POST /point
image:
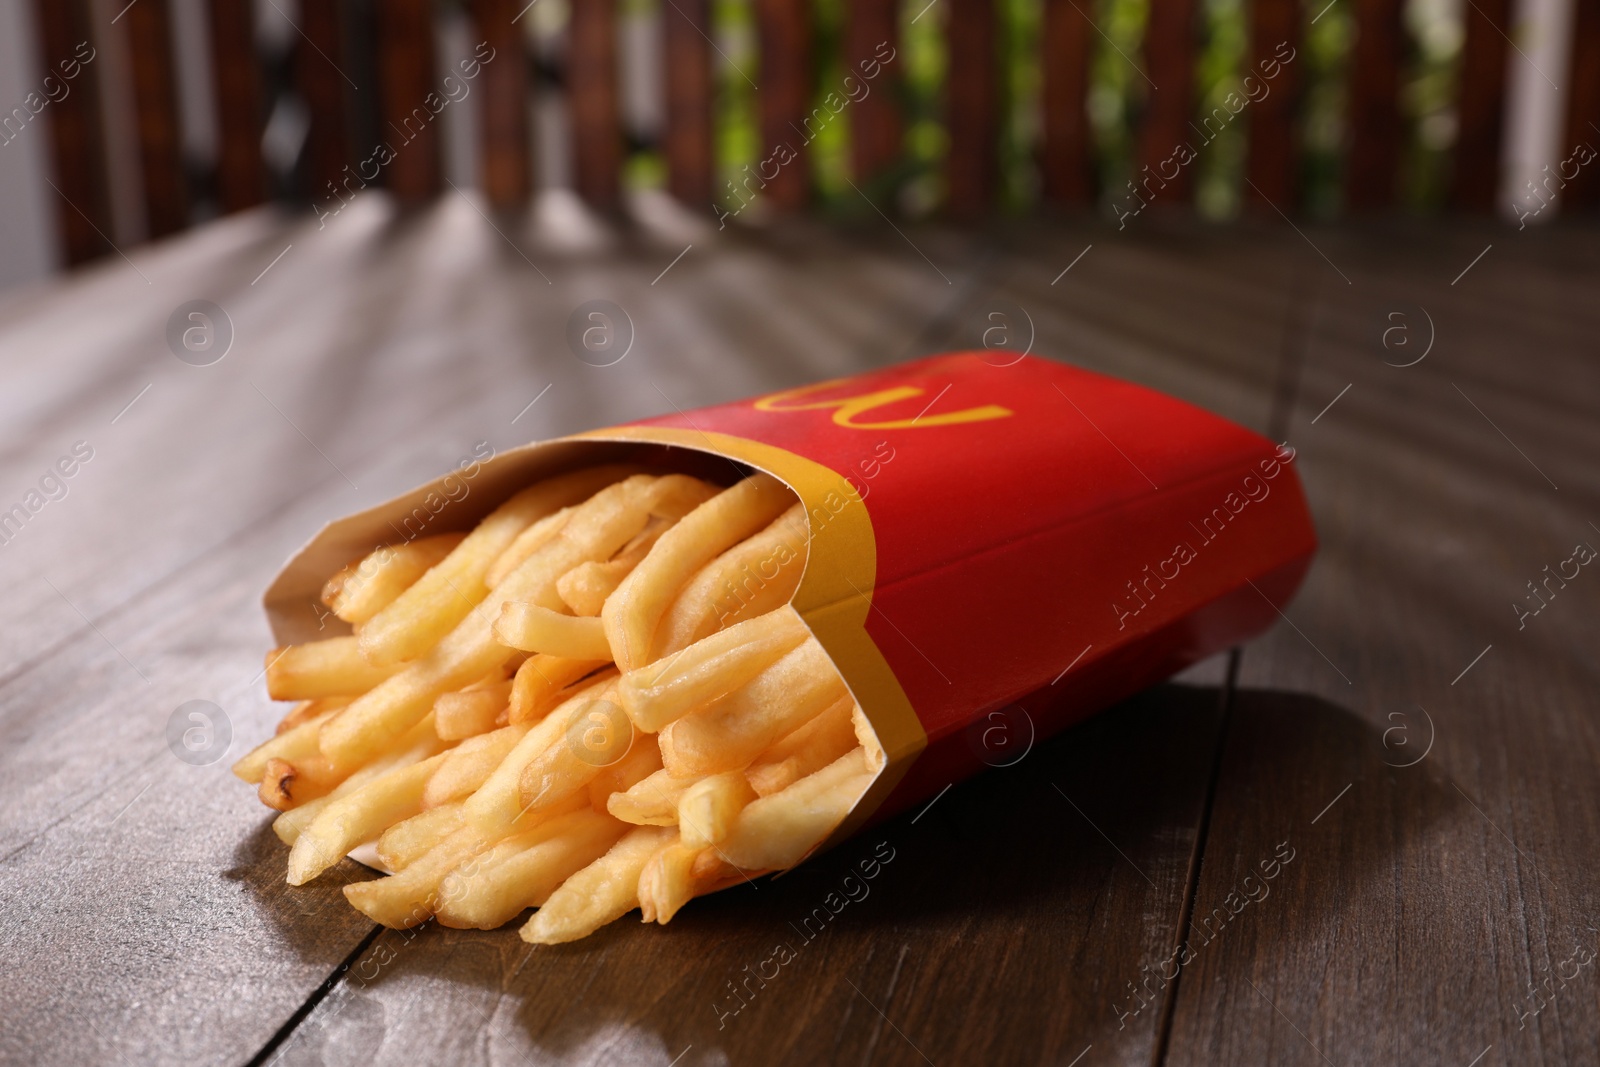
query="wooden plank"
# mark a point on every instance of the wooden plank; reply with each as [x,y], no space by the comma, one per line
[784,102]
[686,26]
[155,96]
[1373,172]
[594,101]
[318,57]
[1583,103]
[1165,306]
[1068,157]
[236,75]
[1272,161]
[78,164]
[505,150]
[1441,804]
[972,108]
[1170,43]
[871,55]
[406,80]
[1480,107]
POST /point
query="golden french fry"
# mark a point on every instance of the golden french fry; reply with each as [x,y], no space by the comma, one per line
[497,805]
[521,871]
[403,842]
[472,711]
[426,613]
[310,709]
[597,735]
[286,785]
[289,825]
[408,898]
[666,883]
[328,668]
[585,587]
[602,892]
[552,633]
[755,576]
[708,808]
[778,831]
[642,760]
[361,816]
[294,744]
[527,543]
[366,587]
[539,683]
[729,734]
[633,612]
[652,801]
[414,746]
[661,692]
[805,750]
[469,764]
[277,783]
[595,530]
[877,759]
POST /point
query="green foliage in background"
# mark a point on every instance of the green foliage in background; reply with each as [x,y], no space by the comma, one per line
[1118,92]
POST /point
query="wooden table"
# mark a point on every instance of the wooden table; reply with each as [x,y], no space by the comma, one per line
[1417,771]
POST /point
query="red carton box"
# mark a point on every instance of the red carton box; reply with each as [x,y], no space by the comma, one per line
[996,552]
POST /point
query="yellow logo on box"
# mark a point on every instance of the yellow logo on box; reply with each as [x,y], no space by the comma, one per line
[847,408]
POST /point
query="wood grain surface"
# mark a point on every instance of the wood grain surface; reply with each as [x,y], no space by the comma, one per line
[1427,813]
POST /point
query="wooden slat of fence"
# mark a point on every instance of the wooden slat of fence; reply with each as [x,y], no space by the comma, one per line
[1271,162]
[83,215]
[972,107]
[784,99]
[1374,110]
[155,95]
[405,71]
[686,25]
[503,108]
[318,52]
[1583,104]
[1068,159]
[872,58]
[237,84]
[593,102]
[1480,104]
[1169,47]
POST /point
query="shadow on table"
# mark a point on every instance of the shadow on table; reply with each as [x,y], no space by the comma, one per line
[1026,895]
[315,920]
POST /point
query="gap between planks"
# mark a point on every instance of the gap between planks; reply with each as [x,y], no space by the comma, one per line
[1299,321]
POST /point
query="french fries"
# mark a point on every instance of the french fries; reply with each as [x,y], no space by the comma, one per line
[601,893]
[730,733]
[371,584]
[660,693]
[421,616]
[328,668]
[755,576]
[539,681]
[671,726]
[403,842]
[632,613]
[807,749]
[473,711]
[533,628]
[653,801]
[522,871]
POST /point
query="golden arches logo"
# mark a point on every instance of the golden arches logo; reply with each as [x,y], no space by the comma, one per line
[847,408]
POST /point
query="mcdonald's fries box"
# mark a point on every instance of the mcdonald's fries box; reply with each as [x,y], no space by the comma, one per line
[995,552]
